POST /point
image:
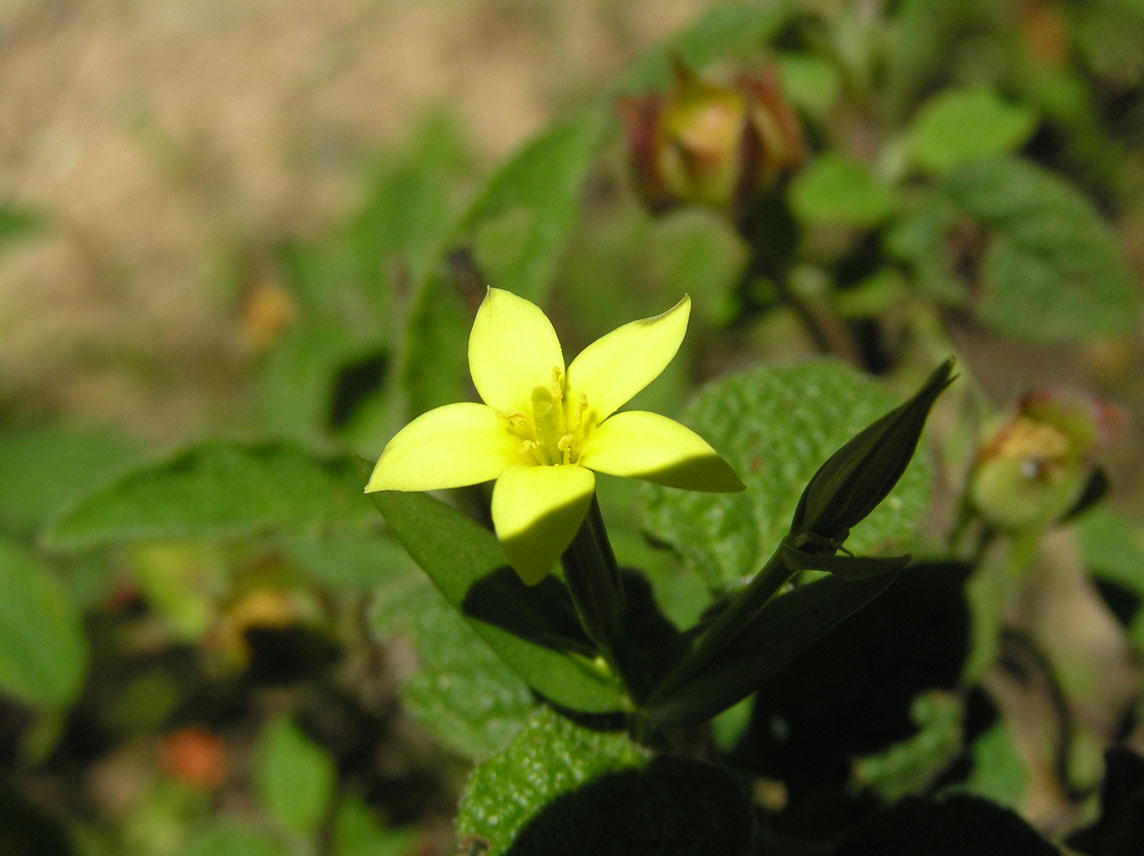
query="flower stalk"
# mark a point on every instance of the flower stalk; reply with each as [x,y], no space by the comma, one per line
[731,622]
[597,591]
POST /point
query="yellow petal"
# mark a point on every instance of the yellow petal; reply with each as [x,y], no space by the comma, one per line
[652,447]
[621,363]
[450,446]
[512,350]
[536,512]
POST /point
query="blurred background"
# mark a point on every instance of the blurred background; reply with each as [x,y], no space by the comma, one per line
[268,220]
[166,148]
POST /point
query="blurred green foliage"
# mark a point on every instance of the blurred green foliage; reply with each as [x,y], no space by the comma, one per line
[972,174]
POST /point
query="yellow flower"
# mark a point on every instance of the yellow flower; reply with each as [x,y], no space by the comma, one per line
[543,432]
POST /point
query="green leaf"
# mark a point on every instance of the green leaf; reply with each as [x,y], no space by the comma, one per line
[776,426]
[348,561]
[725,31]
[531,628]
[835,190]
[402,225]
[296,381]
[692,252]
[1113,548]
[358,833]
[548,758]
[435,358]
[294,777]
[1113,551]
[351,277]
[846,567]
[809,82]
[521,219]
[462,692]
[998,773]
[348,288]
[511,236]
[216,489]
[231,839]
[1053,271]
[1024,251]
[43,651]
[912,766]
[960,125]
[560,789]
[34,461]
[773,638]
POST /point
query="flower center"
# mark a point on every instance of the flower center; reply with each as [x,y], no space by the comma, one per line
[552,434]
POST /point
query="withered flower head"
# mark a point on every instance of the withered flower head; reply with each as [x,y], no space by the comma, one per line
[1035,466]
[709,144]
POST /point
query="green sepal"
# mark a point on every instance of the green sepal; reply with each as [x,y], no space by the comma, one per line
[859,475]
[532,628]
[782,630]
[844,566]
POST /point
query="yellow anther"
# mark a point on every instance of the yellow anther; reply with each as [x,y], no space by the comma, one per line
[557,385]
[530,450]
[564,445]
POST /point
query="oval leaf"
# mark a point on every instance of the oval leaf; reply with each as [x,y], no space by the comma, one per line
[1052,271]
[834,189]
[294,777]
[957,126]
[214,490]
[532,628]
[43,652]
[463,692]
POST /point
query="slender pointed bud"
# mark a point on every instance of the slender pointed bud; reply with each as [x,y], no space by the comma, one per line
[1033,469]
[709,144]
[859,475]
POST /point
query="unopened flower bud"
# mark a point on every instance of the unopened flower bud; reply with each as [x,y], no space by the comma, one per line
[1034,468]
[711,145]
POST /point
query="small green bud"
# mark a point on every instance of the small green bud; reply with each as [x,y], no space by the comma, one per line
[859,475]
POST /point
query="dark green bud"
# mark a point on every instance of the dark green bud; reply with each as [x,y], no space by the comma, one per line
[859,475]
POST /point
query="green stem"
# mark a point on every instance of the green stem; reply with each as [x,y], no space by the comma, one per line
[597,590]
[731,621]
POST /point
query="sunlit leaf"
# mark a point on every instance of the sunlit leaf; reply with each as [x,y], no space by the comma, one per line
[833,189]
[562,789]
[776,427]
[461,691]
[961,125]
[1022,250]
[217,489]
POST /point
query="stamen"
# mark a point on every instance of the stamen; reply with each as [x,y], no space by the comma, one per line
[557,384]
[564,444]
[531,450]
